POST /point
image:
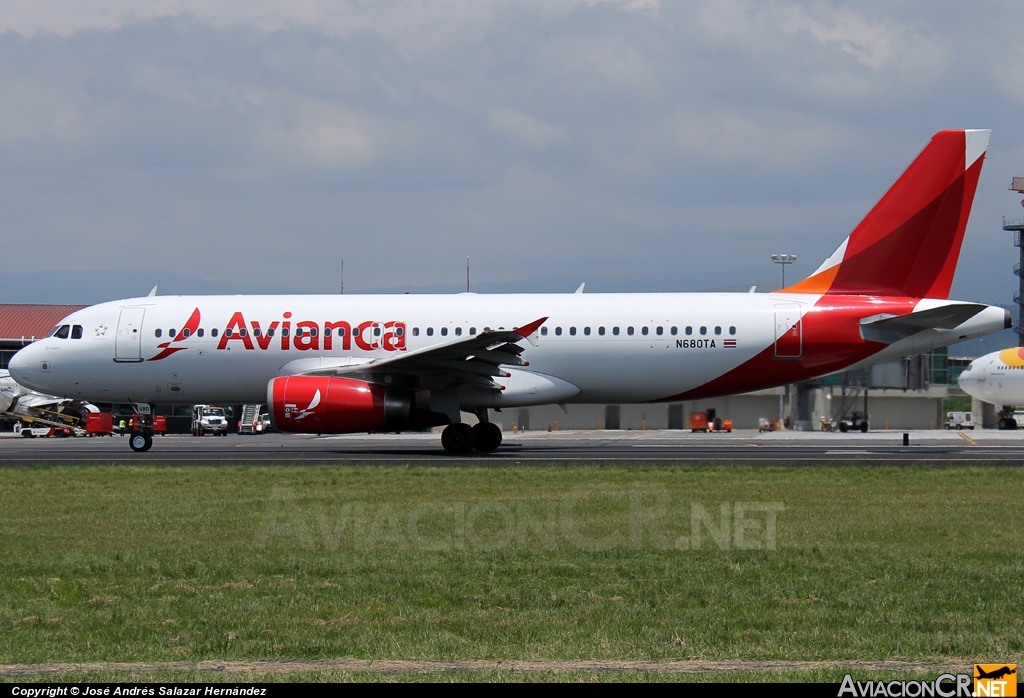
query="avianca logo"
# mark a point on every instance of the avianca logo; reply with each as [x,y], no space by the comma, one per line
[166,349]
[301,335]
[307,335]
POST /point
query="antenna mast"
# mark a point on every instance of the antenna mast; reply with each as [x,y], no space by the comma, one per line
[467,274]
[343,276]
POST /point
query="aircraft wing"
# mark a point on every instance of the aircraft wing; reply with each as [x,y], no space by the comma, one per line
[474,360]
[892,328]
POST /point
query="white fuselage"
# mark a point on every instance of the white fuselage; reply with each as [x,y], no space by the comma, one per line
[997,378]
[593,348]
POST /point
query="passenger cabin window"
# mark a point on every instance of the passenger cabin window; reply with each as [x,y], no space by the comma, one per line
[399,331]
[172,333]
[430,331]
[415,331]
[444,331]
[675,330]
[543,331]
[227,333]
[187,332]
[257,332]
[200,332]
[615,330]
[158,333]
[214,332]
[660,330]
[472,331]
[689,330]
[76,332]
[572,331]
[558,330]
[242,331]
[313,331]
[629,330]
[703,330]
[376,332]
[586,330]
[644,330]
[600,331]
[458,331]
[732,330]
[718,330]
[285,331]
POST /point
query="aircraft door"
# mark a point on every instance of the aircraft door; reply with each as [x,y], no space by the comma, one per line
[128,343]
[788,331]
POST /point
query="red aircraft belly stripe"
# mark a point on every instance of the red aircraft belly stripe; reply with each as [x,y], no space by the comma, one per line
[831,342]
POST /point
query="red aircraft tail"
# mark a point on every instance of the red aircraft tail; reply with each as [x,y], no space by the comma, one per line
[908,245]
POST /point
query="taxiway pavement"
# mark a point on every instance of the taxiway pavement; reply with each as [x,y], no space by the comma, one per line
[597,447]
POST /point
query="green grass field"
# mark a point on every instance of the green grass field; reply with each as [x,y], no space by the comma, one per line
[653,563]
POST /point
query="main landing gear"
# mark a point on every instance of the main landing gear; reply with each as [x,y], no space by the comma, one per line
[461,438]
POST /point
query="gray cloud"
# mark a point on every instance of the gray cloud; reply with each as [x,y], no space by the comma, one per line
[679,144]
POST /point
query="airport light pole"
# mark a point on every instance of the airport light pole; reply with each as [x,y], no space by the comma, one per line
[783,259]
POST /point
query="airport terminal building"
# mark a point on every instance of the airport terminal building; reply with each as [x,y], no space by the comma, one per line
[905,394]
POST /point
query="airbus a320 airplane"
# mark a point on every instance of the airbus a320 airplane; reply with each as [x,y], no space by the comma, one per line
[344,364]
[997,378]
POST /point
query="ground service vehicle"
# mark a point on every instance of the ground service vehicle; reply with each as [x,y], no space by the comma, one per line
[336,364]
[959,420]
[208,419]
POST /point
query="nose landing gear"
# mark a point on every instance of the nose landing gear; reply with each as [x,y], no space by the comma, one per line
[142,429]
[140,442]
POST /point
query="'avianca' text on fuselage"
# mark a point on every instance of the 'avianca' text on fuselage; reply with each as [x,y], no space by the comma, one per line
[343,364]
[287,333]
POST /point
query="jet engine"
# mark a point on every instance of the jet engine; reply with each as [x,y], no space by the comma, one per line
[317,405]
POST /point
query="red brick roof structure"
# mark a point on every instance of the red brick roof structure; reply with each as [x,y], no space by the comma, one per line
[22,324]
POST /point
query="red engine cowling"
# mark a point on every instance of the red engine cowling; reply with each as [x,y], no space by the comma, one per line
[315,405]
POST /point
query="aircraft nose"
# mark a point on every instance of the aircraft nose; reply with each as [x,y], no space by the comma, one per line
[25,367]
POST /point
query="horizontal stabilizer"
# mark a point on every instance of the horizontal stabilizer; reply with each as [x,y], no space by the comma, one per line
[892,328]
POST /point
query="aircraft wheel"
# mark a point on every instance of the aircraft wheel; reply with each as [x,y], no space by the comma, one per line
[458,438]
[488,436]
[140,442]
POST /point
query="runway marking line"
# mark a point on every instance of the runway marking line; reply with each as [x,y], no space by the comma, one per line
[969,439]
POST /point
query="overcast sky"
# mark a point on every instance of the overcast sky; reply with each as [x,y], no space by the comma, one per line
[638,145]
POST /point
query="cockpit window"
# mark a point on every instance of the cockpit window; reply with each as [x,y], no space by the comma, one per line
[53,331]
[62,332]
[76,332]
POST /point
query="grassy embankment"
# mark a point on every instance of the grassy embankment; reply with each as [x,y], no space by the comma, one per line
[171,564]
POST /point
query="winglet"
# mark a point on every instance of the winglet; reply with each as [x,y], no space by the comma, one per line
[526,331]
[152,293]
